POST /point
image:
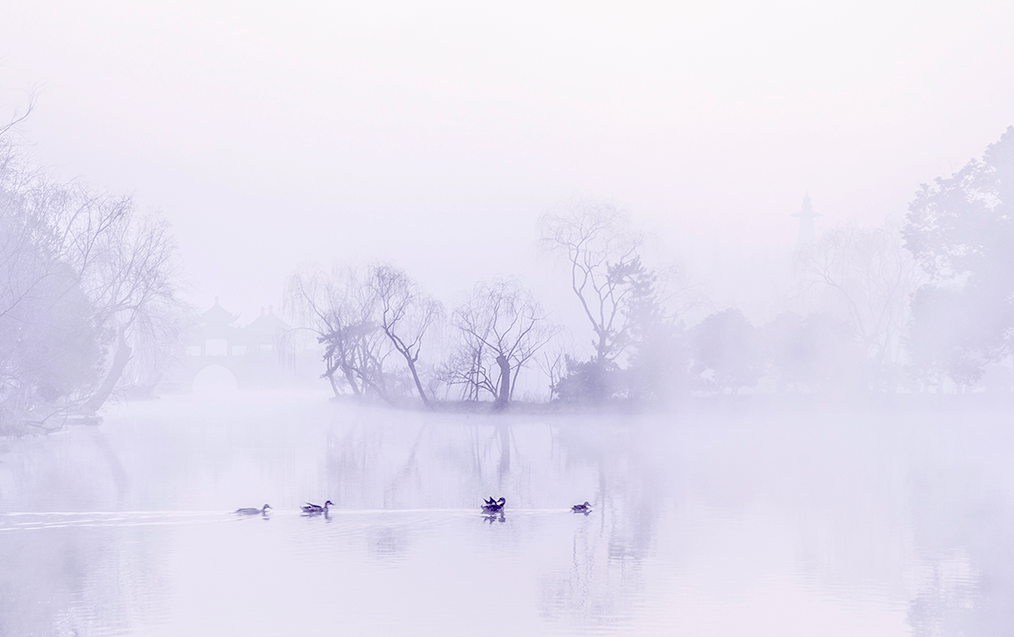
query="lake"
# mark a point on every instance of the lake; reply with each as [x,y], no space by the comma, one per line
[728,520]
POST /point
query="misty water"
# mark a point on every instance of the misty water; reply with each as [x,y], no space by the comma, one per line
[727,519]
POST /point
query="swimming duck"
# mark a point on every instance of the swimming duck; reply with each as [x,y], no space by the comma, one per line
[253,511]
[581,508]
[494,506]
[313,509]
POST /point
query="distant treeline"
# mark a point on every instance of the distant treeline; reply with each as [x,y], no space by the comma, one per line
[885,309]
[89,304]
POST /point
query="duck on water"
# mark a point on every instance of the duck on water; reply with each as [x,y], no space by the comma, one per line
[315,509]
[581,508]
[252,510]
[493,506]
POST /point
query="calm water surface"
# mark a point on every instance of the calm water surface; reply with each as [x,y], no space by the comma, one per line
[728,523]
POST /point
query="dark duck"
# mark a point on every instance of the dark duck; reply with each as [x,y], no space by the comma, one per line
[581,508]
[493,506]
[315,509]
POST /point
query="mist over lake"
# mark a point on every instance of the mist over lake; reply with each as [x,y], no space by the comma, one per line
[711,522]
[395,318]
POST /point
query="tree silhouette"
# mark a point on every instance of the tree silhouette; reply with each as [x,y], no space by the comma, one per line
[724,352]
[602,254]
[502,328]
[961,229]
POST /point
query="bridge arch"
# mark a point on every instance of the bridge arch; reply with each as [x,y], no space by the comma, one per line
[220,353]
[214,377]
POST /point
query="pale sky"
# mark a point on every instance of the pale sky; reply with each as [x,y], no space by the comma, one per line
[433,135]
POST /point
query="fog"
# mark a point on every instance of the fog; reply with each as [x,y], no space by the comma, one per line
[354,131]
[736,275]
[713,523]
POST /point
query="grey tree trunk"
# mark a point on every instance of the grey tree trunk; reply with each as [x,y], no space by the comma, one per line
[415,377]
[352,380]
[505,383]
[120,360]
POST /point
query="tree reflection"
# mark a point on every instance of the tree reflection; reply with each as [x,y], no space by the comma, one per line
[65,573]
[944,605]
[916,517]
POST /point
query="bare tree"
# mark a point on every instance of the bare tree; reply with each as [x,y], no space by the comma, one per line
[552,364]
[602,253]
[29,245]
[128,268]
[48,346]
[361,318]
[868,277]
[82,275]
[503,327]
[18,116]
[340,309]
[405,313]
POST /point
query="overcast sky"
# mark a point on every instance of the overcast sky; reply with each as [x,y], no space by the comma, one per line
[433,134]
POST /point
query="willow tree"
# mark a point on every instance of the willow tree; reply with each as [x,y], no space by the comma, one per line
[405,314]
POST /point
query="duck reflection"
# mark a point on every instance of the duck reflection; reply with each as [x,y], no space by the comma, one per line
[494,517]
[388,542]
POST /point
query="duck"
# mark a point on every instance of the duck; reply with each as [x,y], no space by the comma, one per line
[492,506]
[252,510]
[581,508]
[313,509]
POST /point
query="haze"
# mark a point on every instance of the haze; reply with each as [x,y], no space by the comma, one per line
[433,136]
[546,318]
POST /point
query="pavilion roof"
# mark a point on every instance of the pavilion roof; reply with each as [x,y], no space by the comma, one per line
[268,325]
[218,316]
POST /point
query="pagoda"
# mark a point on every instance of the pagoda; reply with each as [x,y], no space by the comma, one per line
[806,216]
